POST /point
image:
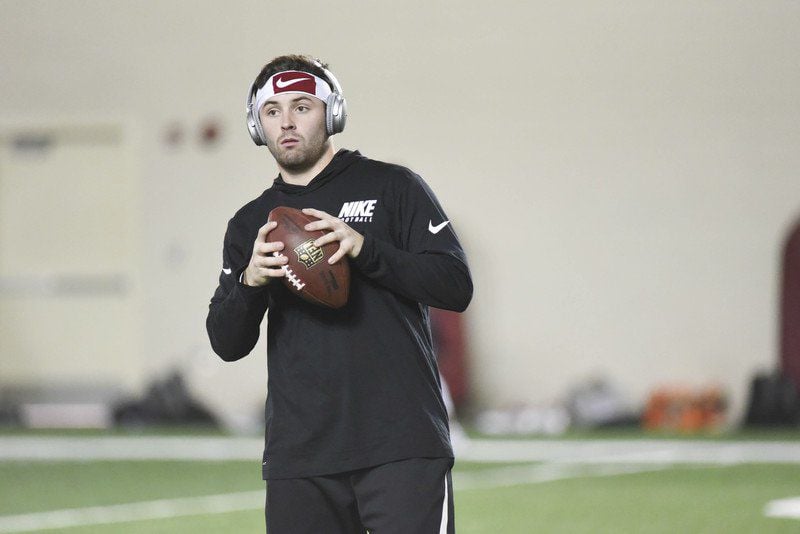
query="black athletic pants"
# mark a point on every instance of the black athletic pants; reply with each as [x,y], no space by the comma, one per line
[404,497]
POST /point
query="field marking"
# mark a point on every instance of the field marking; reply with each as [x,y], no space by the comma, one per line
[558,460]
[519,475]
[653,451]
[644,451]
[202,448]
[253,500]
[561,460]
[783,508]
[137,511]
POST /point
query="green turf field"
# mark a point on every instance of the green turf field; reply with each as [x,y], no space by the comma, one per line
[521,497]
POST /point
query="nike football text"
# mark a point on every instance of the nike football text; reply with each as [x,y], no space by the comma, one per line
[358,208]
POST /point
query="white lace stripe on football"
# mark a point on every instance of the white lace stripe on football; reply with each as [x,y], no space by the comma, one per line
[290,274]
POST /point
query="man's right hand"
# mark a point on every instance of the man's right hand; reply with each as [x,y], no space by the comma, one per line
[263,265]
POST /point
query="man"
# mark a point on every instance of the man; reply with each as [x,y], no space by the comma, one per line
[357,435]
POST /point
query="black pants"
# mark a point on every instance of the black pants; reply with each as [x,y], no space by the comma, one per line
[408,496]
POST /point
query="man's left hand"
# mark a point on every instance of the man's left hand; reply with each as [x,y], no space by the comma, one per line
[349,240]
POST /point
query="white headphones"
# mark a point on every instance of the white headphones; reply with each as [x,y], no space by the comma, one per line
[335,109]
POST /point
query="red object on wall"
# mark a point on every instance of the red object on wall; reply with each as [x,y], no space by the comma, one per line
[451,347]
[790,307]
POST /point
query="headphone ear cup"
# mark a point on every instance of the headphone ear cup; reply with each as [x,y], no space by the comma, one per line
[255,133]
[335,113]
[253,121]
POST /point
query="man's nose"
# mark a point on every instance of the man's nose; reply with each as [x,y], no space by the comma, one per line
[287,123]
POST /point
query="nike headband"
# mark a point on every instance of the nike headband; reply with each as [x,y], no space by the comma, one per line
[292,81]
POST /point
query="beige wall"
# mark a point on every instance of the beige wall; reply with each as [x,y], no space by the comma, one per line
[621,173]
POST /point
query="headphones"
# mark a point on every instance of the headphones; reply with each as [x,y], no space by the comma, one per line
[335,109]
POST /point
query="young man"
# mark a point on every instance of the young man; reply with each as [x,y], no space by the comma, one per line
[357,434]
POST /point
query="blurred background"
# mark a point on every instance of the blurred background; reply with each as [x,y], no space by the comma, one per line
[623,175]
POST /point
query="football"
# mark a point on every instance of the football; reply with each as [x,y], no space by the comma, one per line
[308,273]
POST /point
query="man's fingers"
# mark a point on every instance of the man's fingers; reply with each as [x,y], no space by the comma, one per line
[270,262]
[269,248]
[319,214]
[269,266]
[339,254]
[330,237]
[263,268]
[349,240]
[276,261]
[267,261]
[275,273]
[264,230]
[322,224]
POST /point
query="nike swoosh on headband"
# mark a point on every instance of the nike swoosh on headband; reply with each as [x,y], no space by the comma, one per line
[292,81]
[435,229]
[281,84]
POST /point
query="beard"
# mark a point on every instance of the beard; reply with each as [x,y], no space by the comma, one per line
[301,156]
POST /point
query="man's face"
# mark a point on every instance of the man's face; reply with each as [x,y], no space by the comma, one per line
[294,125]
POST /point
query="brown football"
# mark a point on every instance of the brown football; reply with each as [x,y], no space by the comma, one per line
[308,273]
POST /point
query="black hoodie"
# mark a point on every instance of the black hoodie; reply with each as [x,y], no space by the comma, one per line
[356,386]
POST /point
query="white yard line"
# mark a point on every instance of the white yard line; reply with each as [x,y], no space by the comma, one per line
[138,511]
[54,448]
[504,477]
[658,452]
[784,508]
[254,500]
[631,451]
[559,460]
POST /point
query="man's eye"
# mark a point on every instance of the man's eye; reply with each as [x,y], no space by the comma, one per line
[302,108]
[272,112]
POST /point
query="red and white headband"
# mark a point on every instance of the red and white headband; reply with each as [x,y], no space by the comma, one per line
[292,81]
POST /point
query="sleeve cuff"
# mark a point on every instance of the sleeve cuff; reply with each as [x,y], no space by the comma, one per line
[248,292]
[366,256]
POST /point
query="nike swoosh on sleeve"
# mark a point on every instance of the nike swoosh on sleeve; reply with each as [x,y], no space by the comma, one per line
[226,271]
[435,229]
